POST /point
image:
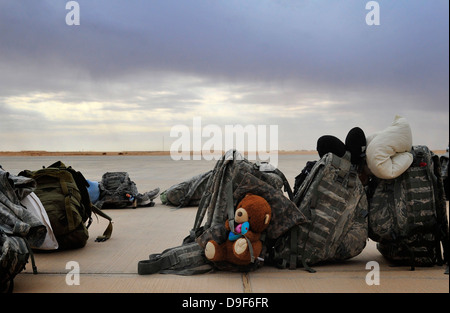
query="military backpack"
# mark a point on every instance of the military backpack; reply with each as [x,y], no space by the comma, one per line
[334,202]
[64,195]
[117,191]
[231,179]
[408,216]
[19,229]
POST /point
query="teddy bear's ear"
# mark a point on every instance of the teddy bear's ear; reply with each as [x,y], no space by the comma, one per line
[267,219]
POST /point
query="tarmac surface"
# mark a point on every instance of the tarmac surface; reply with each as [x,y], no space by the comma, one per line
[111,266]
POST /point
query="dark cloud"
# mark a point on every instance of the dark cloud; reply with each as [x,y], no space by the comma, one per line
[273,55]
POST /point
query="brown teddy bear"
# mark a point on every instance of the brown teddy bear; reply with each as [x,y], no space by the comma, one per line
[251,218]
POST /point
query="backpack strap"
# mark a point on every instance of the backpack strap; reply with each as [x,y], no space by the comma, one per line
[293,248]
[287,187]
[230,211]
[33,262]
[230,207]
[201,211]
[108,231]
[305,239]
[67,196]
[187,259]
[82,185]
[343,165]
[209,197]
[293,253]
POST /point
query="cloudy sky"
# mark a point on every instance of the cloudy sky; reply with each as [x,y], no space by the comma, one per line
[132,70]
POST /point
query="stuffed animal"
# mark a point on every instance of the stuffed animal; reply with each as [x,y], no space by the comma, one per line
[251,218]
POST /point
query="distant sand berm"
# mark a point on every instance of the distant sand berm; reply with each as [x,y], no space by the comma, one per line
[106,153]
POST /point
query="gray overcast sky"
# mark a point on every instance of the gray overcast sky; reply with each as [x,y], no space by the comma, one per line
[134,69]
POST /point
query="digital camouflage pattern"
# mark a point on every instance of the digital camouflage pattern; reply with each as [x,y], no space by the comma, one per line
[188,259]
[15,218]
[187,193]
[114,188]
[231,179]
[13,258]
[285,213]
[227,177]
[408,216]
[18,228]
[334,202]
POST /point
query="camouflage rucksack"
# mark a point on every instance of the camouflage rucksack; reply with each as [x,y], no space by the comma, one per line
[334,201]
[187,193]
[117,190]
[19,229]
[64,195]
[407,215]
[14,254]
[232,178]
